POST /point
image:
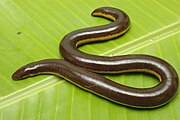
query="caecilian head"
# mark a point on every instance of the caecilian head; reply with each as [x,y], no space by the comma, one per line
[26,71]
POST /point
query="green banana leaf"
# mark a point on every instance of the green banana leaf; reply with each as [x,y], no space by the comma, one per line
[31,30]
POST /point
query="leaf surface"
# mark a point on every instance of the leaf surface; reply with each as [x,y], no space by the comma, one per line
[32,30]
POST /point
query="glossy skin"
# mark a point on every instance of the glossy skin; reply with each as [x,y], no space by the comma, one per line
[134,97]
[78,66]
[69,44]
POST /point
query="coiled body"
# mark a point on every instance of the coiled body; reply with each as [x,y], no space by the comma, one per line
[78,67]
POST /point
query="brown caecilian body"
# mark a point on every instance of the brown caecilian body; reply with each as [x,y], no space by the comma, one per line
[78,67]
